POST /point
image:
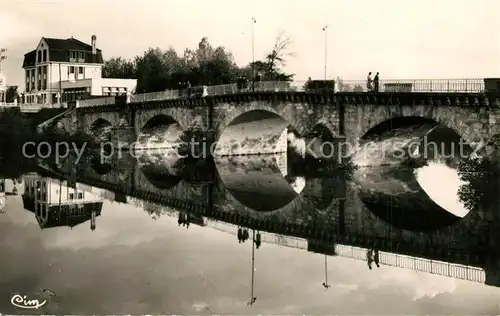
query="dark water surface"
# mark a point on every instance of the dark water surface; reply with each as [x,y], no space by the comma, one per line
[107,237]
[138,259]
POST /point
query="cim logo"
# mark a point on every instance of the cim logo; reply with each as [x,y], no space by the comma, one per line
[22,301]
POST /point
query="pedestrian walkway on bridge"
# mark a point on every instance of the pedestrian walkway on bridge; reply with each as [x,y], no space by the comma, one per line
[474,85]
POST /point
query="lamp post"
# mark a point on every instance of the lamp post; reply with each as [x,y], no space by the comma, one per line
[2,58]
[325,29]
[253,53]
[252,297]
[325,284]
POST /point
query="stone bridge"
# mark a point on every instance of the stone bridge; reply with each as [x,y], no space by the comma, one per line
[324,219]
[254,122]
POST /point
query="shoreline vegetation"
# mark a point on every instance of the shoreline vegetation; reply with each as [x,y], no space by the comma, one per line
[16,130]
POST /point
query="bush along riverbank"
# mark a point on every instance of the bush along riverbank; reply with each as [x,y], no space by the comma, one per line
[20,144]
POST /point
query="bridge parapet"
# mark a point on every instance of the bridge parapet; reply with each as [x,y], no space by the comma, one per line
[461,99]
[474,85]
[29,107]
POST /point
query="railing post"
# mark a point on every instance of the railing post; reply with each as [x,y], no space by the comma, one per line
[466,85]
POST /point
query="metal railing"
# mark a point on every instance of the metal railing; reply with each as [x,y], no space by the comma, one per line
[29,107]
[96,101]
[453,270]
[417,85]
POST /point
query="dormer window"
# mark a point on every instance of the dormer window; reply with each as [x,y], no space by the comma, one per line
[75,56]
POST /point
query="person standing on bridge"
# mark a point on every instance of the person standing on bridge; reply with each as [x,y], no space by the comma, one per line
[376,258]
[376,83]
[240,235]
[188,86]
[369,82]
[369,258]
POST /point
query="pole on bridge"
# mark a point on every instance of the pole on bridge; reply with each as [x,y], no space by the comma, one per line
[325,284]
[253,53]
[2,58]
[252,297]
[325,29]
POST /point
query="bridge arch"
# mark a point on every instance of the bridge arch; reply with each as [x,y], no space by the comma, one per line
[100,168]
[260,130]
[160,168]
[285,111]
[160,131]
[101,128]
[455,118]
[415,206]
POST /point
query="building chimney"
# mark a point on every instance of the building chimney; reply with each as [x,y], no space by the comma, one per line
[93,42]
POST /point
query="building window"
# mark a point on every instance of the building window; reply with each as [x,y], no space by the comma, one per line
[81,55]
[39,53]
[71,69]
[39,78]
[80,195]
[44,55]
[80,70]
[45,79]
[71,196]
[28,80]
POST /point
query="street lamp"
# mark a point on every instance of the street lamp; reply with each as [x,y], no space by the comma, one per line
[252,297]
[325,29]
[253,53]
[2,58]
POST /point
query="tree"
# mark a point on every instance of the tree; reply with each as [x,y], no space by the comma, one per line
[277,58]
[158,70]
[481,182]
[270,68]
[11,94]
[117,67]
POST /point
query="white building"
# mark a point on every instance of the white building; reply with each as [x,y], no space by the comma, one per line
[61,70]
[55,203]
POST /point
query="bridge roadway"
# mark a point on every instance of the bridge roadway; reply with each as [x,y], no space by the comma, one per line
[343,220]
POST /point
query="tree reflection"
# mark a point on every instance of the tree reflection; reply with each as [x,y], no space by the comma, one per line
[314,168]
[481,182]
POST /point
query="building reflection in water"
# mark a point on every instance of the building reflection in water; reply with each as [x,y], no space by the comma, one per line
[3,200]
[55,203]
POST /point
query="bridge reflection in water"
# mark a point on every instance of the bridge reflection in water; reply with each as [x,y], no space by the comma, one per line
[324,215]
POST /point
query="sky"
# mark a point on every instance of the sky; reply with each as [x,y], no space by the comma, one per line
[132,264]
[411,39]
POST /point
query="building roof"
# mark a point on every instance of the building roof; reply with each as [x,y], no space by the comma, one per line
[59,51]
[29,59]
[61,216]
